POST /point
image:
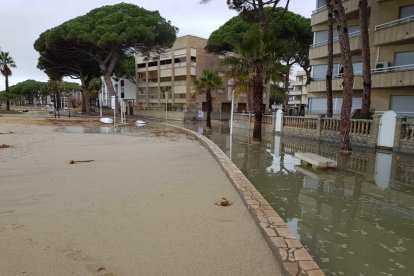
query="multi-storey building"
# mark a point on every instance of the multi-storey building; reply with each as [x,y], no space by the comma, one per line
[166,80]
[391,31]
[298,96]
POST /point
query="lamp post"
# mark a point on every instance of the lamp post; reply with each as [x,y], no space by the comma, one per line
[231,114]
[166,106]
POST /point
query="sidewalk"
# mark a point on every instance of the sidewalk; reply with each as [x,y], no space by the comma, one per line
[144,206]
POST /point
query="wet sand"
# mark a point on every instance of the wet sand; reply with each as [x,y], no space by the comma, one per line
[144,206]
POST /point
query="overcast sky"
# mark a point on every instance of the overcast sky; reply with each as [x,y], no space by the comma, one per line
[24,20]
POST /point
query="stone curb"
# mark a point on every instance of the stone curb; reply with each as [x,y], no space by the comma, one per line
[293,258]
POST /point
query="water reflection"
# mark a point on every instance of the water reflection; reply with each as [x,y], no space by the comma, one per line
[357,221]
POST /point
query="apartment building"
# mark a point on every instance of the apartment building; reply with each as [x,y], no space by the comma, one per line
[297,94]
[391,34]
[166,80]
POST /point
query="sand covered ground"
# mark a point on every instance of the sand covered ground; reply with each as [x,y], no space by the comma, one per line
[144,206]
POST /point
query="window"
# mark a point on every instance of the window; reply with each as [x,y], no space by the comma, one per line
[180,59]
[357,67]
[122,82]
[165,79]
[152,63]
[321,36]
[406,11]
[320,3]
[193,59]
[319,71]
[403,58]
[165,61]
[141,65]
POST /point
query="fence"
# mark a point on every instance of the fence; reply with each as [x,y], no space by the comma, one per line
[327,129]
[363,133]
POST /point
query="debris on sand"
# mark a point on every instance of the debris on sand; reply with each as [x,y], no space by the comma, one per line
[10,132]
[224,201]
[80,161]
[4,146]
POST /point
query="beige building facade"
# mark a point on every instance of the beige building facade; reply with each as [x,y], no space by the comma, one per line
[391,31]
[167,79]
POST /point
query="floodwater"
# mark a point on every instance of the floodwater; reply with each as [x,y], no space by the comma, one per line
[357,221]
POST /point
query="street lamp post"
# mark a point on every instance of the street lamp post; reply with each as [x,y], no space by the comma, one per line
[231,114]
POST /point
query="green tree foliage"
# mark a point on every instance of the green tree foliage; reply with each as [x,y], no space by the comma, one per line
[208,81]
[6,63]
[228,36]
[291,31]
[125,69]
[105,34]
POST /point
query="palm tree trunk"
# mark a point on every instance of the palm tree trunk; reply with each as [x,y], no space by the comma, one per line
[7,90]
[258,106]
[286,97]
[366,93]
[348,76]
[329,73]
[209,107]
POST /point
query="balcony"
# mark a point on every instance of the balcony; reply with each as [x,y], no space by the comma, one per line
[396,76]
[321,14]
[320,50]
[320,85]
[294,93]
[295,102]
[394,31]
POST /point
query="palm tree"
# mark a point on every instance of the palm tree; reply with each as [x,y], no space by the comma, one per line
[208,80]
[6,62]
[255,64]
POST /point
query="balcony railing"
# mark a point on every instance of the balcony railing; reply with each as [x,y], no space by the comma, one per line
[409,67]
[322,8]
[336,39]
[300,122]
[358,127]
[391,24]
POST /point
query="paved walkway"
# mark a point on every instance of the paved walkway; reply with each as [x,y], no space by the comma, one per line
[144,206]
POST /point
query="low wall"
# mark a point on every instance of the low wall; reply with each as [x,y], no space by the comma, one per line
[405,140]
[362,133]
[246,121]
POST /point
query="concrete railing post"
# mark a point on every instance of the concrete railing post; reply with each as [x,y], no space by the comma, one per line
[373,140]
[397,133]
[318,126]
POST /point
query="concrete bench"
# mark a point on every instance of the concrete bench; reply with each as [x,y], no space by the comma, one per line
[315,160]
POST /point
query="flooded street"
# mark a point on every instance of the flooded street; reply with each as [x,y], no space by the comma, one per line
[358,221]
[354,222]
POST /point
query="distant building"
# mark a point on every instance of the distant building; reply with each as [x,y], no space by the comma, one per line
[297,94]
[392,56]
[167,80]
[126,93]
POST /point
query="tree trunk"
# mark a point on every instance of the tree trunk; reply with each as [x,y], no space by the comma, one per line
[366,60]
[286,97]
[7,91]
[258,106]
[106,73]
[348,76]
[329,73]
[111,90]
[209,107]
